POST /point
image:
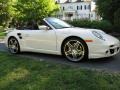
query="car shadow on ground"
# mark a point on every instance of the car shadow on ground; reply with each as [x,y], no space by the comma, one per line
[57,58]
[107,64]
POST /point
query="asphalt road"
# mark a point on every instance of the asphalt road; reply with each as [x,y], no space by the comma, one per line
[111,64]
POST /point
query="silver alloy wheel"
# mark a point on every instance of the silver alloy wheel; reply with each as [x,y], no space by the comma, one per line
[13,45]
[74,50]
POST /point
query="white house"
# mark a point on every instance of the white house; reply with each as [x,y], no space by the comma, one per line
[77,9]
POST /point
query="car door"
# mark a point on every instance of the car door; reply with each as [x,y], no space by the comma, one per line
[40,39]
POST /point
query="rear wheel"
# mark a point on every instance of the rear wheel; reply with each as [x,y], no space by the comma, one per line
[13,46]
[75,50]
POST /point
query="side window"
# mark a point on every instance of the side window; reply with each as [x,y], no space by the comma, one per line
[42,24]
[21,25]
[32,25]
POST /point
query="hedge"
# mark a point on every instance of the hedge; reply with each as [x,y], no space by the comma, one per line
[102,25]
[1,29]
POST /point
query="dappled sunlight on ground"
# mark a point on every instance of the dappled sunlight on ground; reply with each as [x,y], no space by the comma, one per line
[16,74]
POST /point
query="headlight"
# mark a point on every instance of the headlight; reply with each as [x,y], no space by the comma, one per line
[98,35]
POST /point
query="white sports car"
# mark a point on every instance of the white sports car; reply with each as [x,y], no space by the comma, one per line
[55,36]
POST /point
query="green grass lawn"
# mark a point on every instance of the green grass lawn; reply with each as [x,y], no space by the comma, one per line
[2,35]
[18,73]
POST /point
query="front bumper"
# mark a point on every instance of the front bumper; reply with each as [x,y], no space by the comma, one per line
[106,49]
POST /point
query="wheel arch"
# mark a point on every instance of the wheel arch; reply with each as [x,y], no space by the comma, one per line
[11,37]
[16,39]
[68,38]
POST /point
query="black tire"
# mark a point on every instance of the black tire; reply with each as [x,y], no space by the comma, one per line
[14,47]
[82,44]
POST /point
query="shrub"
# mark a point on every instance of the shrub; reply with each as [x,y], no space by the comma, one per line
[1,29]
[80,23]
[103,25]
[117,21]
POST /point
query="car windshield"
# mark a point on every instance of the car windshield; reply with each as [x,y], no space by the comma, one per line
[57,23]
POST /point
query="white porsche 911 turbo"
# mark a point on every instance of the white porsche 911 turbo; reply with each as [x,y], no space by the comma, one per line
[55,36]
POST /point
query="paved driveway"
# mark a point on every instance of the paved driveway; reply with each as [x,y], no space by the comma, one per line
[107,64]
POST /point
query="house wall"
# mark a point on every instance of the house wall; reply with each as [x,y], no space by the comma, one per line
[77,10]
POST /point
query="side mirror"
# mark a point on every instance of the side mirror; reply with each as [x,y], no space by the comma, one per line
[43,27]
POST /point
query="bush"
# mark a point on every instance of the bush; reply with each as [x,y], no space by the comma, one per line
[2,34]
[1,29]
[103,25]
[117,20]
[80,23]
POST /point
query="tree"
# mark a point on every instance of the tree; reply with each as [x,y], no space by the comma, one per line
[3,11]
[26,10]
[110,10]
[6,11]
[117,19]
[103,7]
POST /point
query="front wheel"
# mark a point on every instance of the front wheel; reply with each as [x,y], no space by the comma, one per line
[13,46]
[75,50]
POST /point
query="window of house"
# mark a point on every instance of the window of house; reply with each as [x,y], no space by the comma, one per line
[85,7]
[81,7]
[91,15]
[63,8]
[70,7]
[77,7]
[89,6]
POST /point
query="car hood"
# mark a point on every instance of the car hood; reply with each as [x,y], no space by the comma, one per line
[79,30]
[88,32]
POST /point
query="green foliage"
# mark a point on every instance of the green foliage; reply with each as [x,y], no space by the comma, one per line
[103,7]
[2,34]
[1,28]
[110,10]
[18,73]
[4,16]
[33,9]
[117,19]
[103,24]
[6,11]
[80,23]
[25,10]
